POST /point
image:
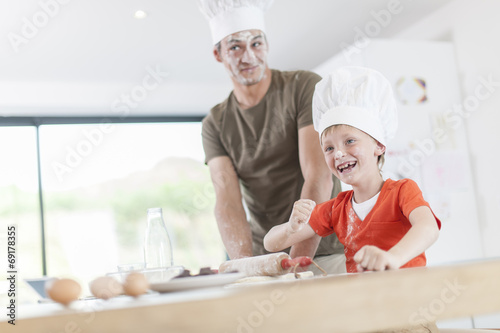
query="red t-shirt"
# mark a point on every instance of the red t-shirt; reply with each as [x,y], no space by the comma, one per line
[383,227]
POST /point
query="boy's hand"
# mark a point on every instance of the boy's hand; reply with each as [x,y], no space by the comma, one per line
[300,214]
[371,258]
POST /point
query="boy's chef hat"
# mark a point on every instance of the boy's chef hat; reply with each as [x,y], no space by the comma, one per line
[225,17]
[359,97]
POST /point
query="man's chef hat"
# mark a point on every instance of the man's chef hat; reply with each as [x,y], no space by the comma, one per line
[359,97]
[225,17]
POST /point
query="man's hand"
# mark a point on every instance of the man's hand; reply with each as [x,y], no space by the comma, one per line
[371,258]
[301,212]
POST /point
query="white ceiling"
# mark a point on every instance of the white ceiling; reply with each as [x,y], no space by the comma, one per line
[90,53]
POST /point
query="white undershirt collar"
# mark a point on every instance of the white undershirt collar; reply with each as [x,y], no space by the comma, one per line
[364,208]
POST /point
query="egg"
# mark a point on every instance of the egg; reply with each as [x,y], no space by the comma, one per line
[63,291]
[135,284]
[105,287]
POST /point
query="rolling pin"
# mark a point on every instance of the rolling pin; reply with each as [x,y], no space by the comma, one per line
[268,265]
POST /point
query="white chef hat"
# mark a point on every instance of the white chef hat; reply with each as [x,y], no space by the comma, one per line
[359,97]
[225,17]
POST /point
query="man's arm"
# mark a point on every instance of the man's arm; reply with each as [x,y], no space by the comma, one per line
[317,182]
[229,212]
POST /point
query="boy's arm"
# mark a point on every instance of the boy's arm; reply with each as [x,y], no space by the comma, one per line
[294,231]
[282,236]
[423,233]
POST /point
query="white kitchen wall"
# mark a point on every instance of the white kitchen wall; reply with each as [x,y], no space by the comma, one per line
[473,28]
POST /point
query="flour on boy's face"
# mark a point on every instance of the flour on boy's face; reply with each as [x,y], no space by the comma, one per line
[350,154]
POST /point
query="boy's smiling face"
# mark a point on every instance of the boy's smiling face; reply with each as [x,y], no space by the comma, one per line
[351,154]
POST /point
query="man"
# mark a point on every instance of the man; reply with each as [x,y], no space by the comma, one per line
[260,143]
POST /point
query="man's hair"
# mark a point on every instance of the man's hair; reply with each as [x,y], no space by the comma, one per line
[381,158]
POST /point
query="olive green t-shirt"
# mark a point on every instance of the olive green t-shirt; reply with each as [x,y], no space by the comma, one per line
[263,144]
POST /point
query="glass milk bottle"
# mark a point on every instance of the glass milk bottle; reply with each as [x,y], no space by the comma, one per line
[157,245]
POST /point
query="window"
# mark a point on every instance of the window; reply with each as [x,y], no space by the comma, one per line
[98,181]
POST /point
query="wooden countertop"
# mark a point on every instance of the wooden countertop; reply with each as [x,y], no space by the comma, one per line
[365,302]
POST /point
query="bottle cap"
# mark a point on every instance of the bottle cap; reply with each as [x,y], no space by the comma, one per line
[154,210]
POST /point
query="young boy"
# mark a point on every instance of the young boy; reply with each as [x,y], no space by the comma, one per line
[382,224]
